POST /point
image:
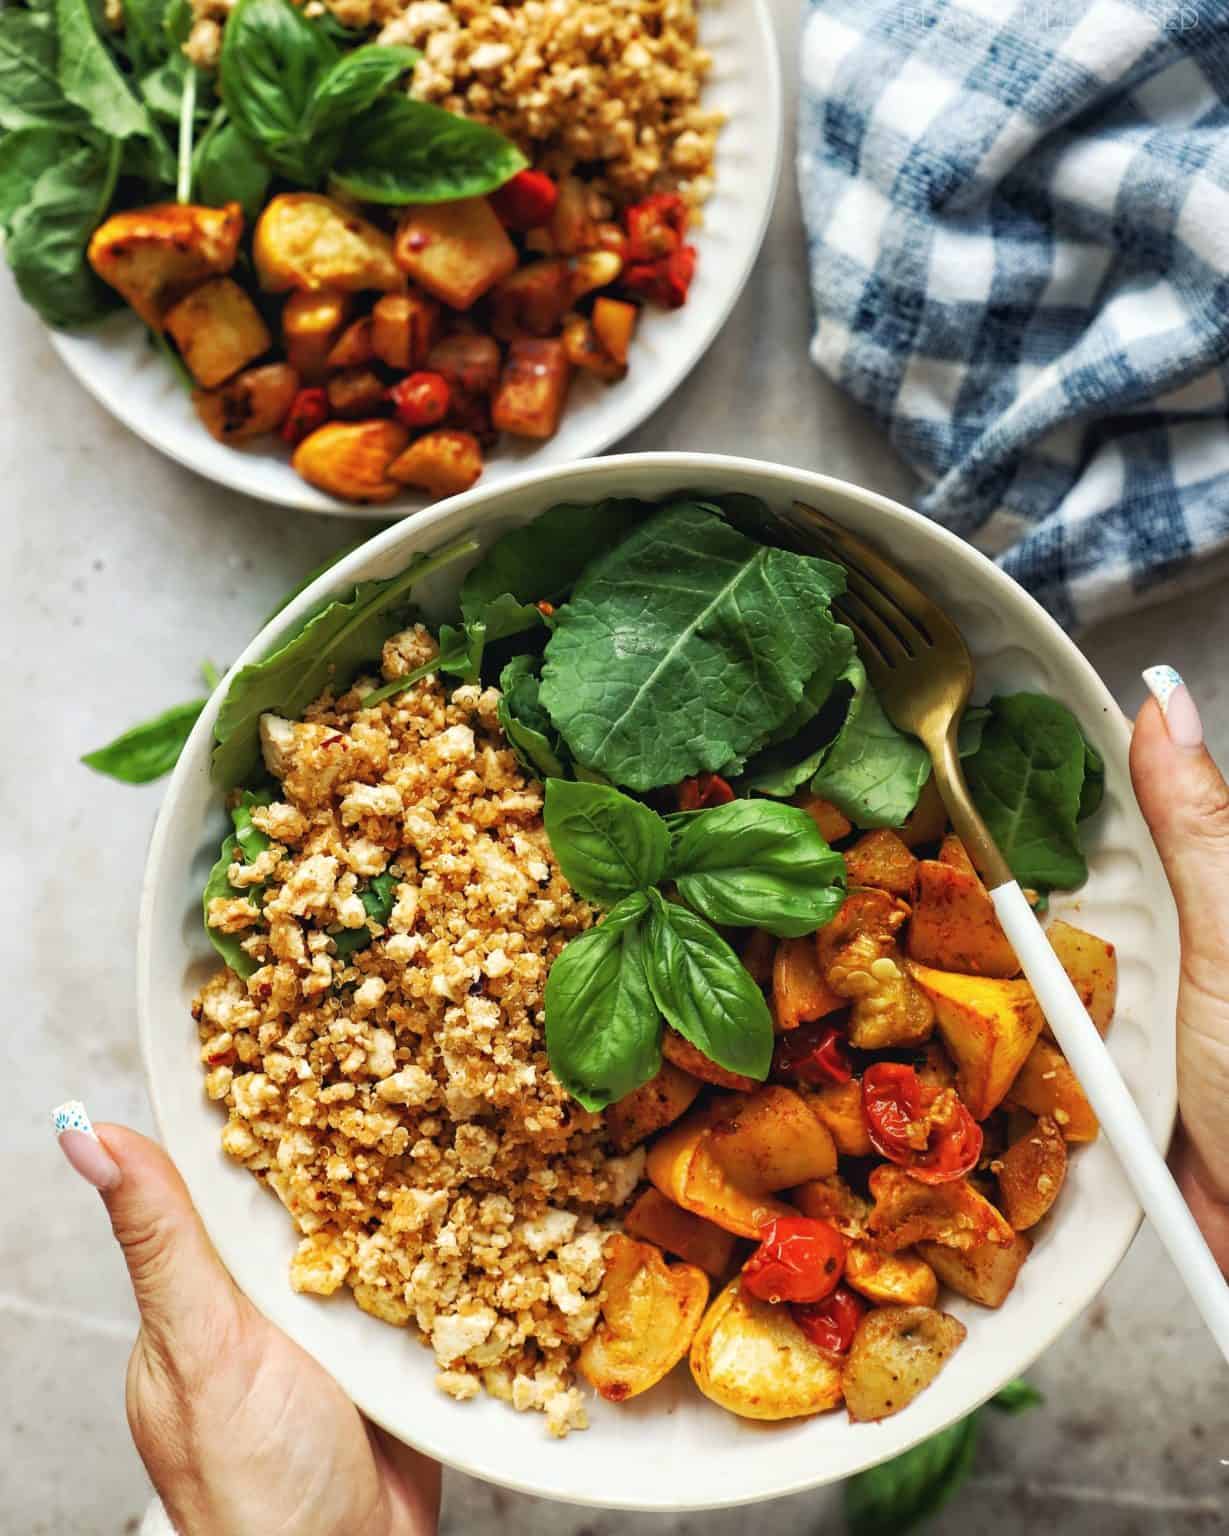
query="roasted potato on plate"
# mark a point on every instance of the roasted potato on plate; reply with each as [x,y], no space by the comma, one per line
[690,1237]
[456,251]
[985,1273]
[306,240]
[1031,1173]
[1092,965]
[799,992]
[154,256]
[832,1200]
[881,860]
[312,322]
[839,1107]
[770,1141]
[907,1211]
[653,1106]
[682,1054]
[252,403]
[351,459]
[899,1279]
[1046,1085]
[954,925]
[218,330]
[897,1352]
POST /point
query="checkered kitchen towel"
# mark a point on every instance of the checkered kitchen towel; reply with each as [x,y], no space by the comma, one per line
[1018,213]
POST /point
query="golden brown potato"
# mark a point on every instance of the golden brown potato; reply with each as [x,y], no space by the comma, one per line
[709,1191]
[531,301]
[218,330]
[1092,965]
[955,855]
[353,348]
[403,329]
[468,361]
[571,228]
[772,1141]
[653,1106]
[896,1353]
[695,1241]
[954,925]
[832,1200]
[253,403]
[1046,1085]
[799,992]
[592,270]
[650,1313]
[687,1058]
[757,955]
[1031,1173]
[305,240]
[312,322]
[532,389]
[356,392]
[928,819]
[350,459]
[839,1106]
[751,1358]
[906,1212]
[890,1279]
[881,860]
[984,1273]
[670,1156]
[154,256]
[442,463]
[456,251]
[833,824]
[586,352]
[615,323]
[988,1025]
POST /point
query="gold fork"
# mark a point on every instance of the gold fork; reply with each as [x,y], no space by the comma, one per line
[919,665]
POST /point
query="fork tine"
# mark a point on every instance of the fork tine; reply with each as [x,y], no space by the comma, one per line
[872,659]
[884,638]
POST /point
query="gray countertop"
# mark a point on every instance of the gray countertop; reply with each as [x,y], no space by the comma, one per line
[129,571]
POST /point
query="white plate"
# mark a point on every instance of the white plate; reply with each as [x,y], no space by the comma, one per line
[121,370]
[671,1449]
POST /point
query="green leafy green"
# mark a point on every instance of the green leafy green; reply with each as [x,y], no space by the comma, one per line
[682,646]
[1092,791]
[378,896]
[872,771]
[148,750]
[526,724]
[756,864]
[30,91]
[603,1029]
[243,845]
[25,154]
[91,80]
[607,844]
[47,237]
[794,751]
[405,151]
[898,1495]
[226,168]
[354,83]
[1017,1397]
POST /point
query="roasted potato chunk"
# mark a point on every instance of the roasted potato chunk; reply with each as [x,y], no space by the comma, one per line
[218,330]
[688,1058]
[356,392]
[984,1273]
[456,251]
[531,301]
[353,348]
[751,1358]
[890,1279]
[615,324]
[585,351]
[896,1353]
[442,463]
[469,362]
[306,240]
[1046,1085]
[650,1313]
[1031,1173]
[839,1107]
[571,228]
[253,403]
[403,329]
[832,1200]
[907,1211]
[772,1141]
[154,256]
[709,1191]
[1092,965]
[312,322]
[669,1157]
[350,459]
[799,992]
[954,925]
[833,824]
[532,389]
[653,1106]
[881,860]
[688,1236]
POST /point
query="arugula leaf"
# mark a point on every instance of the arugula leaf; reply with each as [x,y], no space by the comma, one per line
[682,646]
[244,844]
[526,724]
[47,237]
[1027,779]
[91,80]
[872,771]
[607,844]
[379,897]
[1017,1397]
[354,83]
[704,990]
[603,1029]
[30,91]
[898,1495]
[756,864]
[327,650]
[148,750]
[405,151]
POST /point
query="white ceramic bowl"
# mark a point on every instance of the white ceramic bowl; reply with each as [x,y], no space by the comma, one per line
[671,1449]
[117,365]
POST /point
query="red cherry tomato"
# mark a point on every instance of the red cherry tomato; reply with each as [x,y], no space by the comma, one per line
[927,1131]
[665,281]
[421,399]
[706,789]
[526,201]
[813,1053]
[831,1324]
[798,1260]
[655,226]
[308,410]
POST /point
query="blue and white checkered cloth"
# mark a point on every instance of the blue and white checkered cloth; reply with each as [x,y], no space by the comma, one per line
[1018,214]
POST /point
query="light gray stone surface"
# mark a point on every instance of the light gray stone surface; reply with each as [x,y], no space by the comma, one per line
[129,571]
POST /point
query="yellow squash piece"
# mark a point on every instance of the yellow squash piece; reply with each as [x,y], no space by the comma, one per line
[890,1279]
[896,1353]
[154,256]
[772,1141]
[306,240]
[1046,1085]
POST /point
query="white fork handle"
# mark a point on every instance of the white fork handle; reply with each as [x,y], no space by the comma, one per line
[1124,1126]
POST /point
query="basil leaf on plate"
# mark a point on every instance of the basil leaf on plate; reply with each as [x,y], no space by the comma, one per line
[872,772]
[899,1494]
[148,750]
[405,151]
[227,168]
[354,83]
[607,844]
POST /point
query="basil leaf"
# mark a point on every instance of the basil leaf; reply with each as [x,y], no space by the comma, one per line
[405,151]
[603,1030]
[898,1495]
[1017,1397]
[91,80]
[757,864]
[47,237]
[244,844]
[149,750]
[379,897]
[227,168]
[327,650]
[30,90]
[682,646]
[705,992]
[607,844]
[526,724]
[872,771]
[354,82]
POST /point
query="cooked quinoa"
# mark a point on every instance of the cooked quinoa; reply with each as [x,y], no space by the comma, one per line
[399,1101]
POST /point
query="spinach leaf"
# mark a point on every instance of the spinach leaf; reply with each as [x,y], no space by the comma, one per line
[1092,791]
[607,844]
[1027,779]
[244,844]
[379,897]
[354,82]
[972,729]
[30,91]
[756,864]
[603,1030]
[872,771]
[325,651]
[526,724]
[91,80]
[705,992]
[25,154]
[47,237]
[162,88]
[227,168]
[145,35]
[682,646]
[148,750]
[794,751]
[405,151]
[898,1495]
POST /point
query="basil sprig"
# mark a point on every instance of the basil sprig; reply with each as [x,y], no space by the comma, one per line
[750,864]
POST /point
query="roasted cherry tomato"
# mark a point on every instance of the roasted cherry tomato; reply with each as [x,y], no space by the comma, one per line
[798,1260]
[926,1130]
[831,1324]
[526,201]
[308,410]
[813,1053]
[655,226]
[421,399]
[706,789]
[665,281]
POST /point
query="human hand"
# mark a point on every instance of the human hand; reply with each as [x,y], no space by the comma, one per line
[242,1433]
[1185,802]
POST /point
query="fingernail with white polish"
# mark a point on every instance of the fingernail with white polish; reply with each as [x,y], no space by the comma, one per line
[1181,717]
[80,1145]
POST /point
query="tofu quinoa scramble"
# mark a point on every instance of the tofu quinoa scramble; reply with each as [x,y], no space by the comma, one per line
[399,1101]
